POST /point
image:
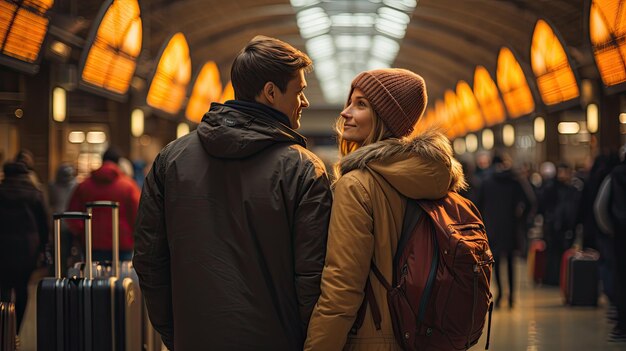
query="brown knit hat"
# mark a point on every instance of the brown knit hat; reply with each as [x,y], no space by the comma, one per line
[397,95]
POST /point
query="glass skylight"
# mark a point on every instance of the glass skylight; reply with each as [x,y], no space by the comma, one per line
[345,37]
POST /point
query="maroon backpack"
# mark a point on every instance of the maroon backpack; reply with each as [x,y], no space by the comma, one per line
[442,270]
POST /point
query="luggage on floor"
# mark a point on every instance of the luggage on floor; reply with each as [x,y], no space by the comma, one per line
[126,304]
[64,314]
[8,328]
[537,260]
[564,275]
[582,278]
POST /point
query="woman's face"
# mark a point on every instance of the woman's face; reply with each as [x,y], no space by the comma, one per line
[358,118]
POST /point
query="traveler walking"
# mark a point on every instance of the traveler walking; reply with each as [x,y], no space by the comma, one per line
[232,225]
[107,183]
[23,233]
[379,170]
[618,219]
[504,204]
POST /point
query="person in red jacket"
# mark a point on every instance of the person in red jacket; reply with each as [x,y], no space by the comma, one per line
[107,183]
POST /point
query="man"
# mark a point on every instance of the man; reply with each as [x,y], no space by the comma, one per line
[232,226]
[504,204]
[23,233]
[618,218]
[107,183]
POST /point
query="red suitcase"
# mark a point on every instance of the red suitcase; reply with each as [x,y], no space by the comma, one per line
[537,259]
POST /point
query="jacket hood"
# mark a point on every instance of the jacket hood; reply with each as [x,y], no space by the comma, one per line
[416,166]
[107,173]
[227,131]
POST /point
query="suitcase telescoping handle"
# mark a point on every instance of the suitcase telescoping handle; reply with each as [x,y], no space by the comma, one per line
[115,225]
[86,217]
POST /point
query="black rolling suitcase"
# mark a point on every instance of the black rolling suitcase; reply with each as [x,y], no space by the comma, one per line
[582,279]
[126,305]
[8,327]
[64,313]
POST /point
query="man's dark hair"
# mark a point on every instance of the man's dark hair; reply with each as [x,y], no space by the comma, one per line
[111,155]
[263,60]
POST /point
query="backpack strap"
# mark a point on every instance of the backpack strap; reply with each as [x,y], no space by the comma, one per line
[370,300]
[412,214]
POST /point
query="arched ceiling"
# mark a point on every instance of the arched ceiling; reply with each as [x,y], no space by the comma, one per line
[444,42]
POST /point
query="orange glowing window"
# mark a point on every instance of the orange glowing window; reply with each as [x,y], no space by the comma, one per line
[469,112]
[169,83]
[110,62]
[228,94]
[23,26]
[513,85]
[607,29]
[454,124]
[207,89]
[486,93]
[555,77]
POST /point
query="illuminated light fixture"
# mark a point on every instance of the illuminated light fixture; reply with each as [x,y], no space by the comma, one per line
[471,142]
[486,93]
[169,83]
[539,129]
[59,104]
[60,49]
[19,113]
[488,139]
[459,146]
[622,118]
[182,129]
[228,93]
[136,122]
[468,108]
[508,135]
[592,118]
[76,137]
[555,77]
[23,27]
[513,85]
[206,89]
[344,38]
[96,137]
[607,30]
[568,127]
[110,61]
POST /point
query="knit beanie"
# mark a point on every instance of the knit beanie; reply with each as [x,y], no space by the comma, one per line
[397,95]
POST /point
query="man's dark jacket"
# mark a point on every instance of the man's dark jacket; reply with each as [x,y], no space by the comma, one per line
[23,224]
[231,233]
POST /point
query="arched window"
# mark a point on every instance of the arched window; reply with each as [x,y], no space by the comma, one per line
[607,30]
[469,112]
[23,27]
[206,89]
[488,98]
[513,85]
[169,83]
[453,123]
[110,61]
[555,78]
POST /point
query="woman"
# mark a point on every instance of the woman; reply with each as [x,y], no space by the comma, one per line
[380,168]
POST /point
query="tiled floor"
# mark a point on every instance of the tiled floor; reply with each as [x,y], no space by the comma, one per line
[538,322]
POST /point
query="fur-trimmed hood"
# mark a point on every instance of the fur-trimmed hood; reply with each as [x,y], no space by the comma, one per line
[410,164]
